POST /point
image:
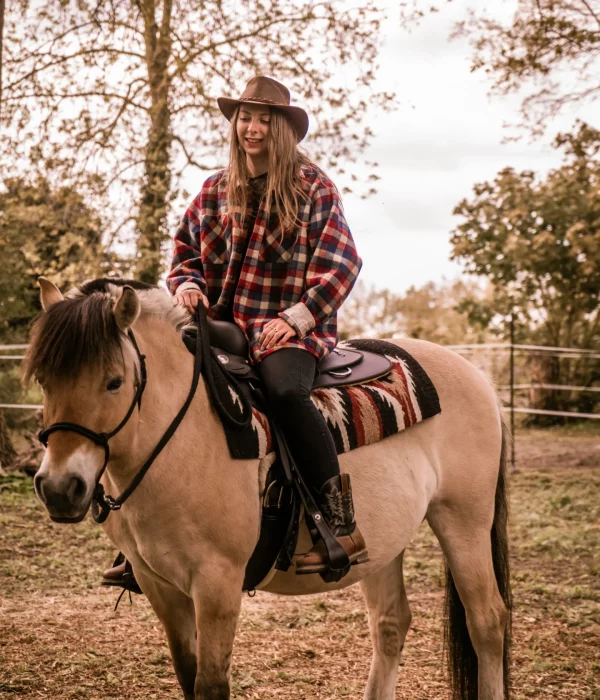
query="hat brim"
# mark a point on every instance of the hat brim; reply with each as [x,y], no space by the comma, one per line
[296,115]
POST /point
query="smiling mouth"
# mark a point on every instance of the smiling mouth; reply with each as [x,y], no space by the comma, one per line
[253,141]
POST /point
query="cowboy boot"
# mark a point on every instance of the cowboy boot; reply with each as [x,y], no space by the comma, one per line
[335,500]
[121,575]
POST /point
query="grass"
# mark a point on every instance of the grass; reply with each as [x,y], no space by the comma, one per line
[59,637]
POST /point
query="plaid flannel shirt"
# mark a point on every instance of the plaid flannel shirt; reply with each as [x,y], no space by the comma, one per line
[303,278]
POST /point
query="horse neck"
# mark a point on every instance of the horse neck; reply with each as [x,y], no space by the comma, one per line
[169,377]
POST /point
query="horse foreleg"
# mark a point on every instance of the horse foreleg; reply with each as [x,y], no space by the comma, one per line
[217,599]
[175,610]
[389,620]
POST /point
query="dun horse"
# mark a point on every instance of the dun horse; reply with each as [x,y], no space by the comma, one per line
[192,524]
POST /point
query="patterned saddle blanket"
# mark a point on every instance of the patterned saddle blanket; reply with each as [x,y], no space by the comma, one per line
[356,415]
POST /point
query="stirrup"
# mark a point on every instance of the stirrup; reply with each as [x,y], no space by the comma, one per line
[126,580]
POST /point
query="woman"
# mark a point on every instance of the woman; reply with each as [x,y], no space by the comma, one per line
[265,245]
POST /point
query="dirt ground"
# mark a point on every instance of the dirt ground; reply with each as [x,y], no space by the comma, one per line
[60,639]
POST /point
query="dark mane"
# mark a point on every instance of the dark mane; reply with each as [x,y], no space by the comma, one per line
[81,330]
[78,332]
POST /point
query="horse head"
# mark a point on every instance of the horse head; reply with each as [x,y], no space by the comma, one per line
[88,368]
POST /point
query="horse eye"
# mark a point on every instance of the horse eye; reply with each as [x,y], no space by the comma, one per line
[114,384]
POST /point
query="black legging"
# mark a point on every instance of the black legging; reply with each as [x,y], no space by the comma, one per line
[288,375]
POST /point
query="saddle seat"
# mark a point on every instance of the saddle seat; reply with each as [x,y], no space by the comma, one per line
[340,368]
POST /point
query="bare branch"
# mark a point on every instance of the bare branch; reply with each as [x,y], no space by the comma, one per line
[190,160]
[73,95]
[591,11]
[229,40]
[65,59]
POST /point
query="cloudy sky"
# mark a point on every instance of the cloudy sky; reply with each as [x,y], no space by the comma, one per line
[446,136]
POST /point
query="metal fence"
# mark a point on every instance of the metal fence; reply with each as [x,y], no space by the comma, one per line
[475,352]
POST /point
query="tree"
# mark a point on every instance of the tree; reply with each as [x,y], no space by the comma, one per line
[550,51]
[44,232]
[435,313]
[369,313]
[546,45]
[131,85]
[538,242]
[2,12]
[431,312]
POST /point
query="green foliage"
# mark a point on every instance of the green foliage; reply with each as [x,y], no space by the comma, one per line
[43,232]
[538,242]
[435,312]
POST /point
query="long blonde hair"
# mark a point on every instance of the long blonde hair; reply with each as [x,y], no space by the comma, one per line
[284,193]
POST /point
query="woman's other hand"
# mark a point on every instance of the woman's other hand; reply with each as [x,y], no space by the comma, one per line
[190,298]
[276,332]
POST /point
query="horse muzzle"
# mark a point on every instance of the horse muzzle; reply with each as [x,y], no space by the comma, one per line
[67,497]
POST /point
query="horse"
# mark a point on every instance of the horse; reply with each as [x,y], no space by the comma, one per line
[192,524]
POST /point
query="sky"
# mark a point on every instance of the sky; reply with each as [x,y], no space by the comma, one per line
[446,136]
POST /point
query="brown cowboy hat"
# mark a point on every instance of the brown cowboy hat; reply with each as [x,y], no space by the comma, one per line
[266,91]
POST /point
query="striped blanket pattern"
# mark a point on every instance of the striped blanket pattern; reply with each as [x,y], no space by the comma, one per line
[359,415]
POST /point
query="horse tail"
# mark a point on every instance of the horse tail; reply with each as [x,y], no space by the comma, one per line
[461,656]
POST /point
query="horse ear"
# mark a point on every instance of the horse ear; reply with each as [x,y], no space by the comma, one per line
[49,293]
[126,308]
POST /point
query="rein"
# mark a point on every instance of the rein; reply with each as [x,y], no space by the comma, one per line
[103,503]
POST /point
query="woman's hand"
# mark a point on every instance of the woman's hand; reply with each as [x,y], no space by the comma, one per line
[190,298]
[276,332]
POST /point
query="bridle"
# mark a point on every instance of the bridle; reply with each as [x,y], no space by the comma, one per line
[103,503]
[103,438]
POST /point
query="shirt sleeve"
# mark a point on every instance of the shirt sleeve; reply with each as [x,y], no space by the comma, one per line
[333,267]
[186,266]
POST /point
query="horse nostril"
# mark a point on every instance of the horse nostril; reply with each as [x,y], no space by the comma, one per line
[77,490]
[38,485]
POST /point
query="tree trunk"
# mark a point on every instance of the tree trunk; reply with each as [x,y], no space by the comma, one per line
[2,8]
[152,218]
[7,451]
[151,223]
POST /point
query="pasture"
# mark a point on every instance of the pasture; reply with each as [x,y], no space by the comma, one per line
[59,636]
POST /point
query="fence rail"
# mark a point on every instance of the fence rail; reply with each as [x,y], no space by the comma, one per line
[512,387]
[542,412]
[554,387]
[28,406]
[516,346]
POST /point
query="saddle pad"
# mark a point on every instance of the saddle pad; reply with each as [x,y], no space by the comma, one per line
[356,415]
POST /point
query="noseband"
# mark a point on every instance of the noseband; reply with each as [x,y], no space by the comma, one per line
[103,503]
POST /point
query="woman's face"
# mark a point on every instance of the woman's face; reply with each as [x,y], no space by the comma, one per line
[252,128]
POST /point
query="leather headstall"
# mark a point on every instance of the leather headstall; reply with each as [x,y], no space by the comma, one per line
[103,503]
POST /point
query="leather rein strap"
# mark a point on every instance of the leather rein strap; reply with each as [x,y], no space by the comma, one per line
[103,503]
[339,564]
